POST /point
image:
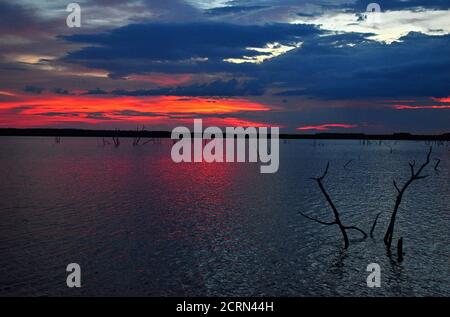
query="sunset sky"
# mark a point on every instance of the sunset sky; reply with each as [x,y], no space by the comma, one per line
[305,66]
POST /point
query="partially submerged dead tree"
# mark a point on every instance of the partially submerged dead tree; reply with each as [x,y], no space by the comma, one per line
[116,139]
[105,142]
[137,138]
[415,175]
[337,220]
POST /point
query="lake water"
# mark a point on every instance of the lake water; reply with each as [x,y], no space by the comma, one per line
[139,224]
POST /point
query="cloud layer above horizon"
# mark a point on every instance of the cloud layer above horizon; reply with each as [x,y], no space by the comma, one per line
[305,66]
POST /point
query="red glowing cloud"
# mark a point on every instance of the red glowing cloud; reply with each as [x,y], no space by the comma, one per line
[443,100]
[327,126]
[407,107]
[47,110]
[235,122]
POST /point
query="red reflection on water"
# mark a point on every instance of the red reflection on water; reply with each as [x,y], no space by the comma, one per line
[203,195]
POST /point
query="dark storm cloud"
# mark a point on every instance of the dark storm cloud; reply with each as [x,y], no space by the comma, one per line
[34,89]
[19,109]
[17,19]
[98,116]
[289,2]
[96,91]
[135,113]
[58,114]
[361,5]
[229,88]
[172,10]
[418,66]
[342,66]
[160,47]
[61,91]
[232,9]
[357,5]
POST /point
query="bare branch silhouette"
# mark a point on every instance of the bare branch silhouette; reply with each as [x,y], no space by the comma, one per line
[337,220]
[357,229]
[116,140]
[137,138]
[438,161]
[317,220]
[414,176]
[375,222]
[400,250]
[348,162]
[396,187]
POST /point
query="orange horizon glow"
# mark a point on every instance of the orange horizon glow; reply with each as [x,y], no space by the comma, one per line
[443,100]
[47,110]
[407,107]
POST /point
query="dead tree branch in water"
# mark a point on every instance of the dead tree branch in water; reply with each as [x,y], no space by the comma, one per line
[374,224]
[348,162]
[116,140]
[137,138]
[438,161]
[105,142]
[337,220]
[414,176]
[400,250]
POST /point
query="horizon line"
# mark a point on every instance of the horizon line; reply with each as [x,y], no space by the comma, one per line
[77,132]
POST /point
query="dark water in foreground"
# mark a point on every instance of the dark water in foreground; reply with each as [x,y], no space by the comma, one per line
[139,224]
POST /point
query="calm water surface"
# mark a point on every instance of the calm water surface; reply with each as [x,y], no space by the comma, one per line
[139,224]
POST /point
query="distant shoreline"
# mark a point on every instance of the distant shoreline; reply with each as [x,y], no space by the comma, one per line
[167,134]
